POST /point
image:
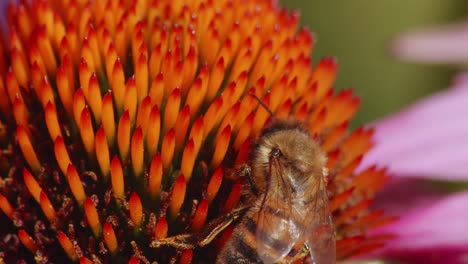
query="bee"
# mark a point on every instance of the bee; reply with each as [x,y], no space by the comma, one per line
[284,214]
[287,203]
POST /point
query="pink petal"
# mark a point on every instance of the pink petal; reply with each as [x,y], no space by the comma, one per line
[428,139]
[402,195]
[442,226]
[443,44]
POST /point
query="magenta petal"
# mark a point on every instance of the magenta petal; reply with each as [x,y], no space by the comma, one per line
[442,225]
[428,139]
[444,44]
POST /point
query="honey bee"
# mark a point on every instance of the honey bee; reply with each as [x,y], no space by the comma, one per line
[287,204]
[284,207]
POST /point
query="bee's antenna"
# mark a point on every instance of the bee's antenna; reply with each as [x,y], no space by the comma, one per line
[262,103]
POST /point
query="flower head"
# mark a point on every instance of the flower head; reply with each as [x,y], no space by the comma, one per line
[123,118]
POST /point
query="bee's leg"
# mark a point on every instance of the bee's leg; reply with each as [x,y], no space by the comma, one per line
[301,254]
[214,228]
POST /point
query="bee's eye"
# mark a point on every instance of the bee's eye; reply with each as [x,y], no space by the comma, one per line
[276,153]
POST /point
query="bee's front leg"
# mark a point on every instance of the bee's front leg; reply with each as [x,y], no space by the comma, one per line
[213,229]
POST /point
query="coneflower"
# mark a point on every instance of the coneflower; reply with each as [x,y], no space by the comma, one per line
[121,120]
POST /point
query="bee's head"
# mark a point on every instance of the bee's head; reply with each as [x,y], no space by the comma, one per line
[286,145]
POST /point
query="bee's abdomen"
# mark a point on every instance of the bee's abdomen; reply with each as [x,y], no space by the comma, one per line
[242,246]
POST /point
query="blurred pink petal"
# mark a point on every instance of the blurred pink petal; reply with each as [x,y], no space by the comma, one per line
[428,233]
[401,195]
[442,44]
[428,139]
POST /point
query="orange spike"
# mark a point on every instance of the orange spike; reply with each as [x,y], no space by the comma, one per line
[46,93]
[108,122]
[157,90]
[190,68]
[356,144]
[65,87]
[61,154]
[131,99]
[94,97]
[172,109]
[324,75]
[12,87]
[19,66]
[52,121]
[85,260]
[177,196]
[92,217]
[36,59]
[339,200]
[67,245]
[199,218]
[183,121]
[27,240]
[244,131]
[47,207]
[118,85]
[87,56]
[109,237]
[188,159]
[284,109]
[233,198]
[333,159]
[168,148]
[222,144]
[32,185]
[230,118]
[197,133]
[334,136]
[240,81]
[153,131]
[143,114]
[102,152]
[74,182]
[138,152]
[155,175]
[47,52]
[136,209]
[87,132]
[110,58]
[211,38]
[84,74]
[123,135]
[27,149]
[186,257]
[155,60]
[316,126]
[117,178]
[6,207]
[160,231]
[195,96]
[141,76]
[214,184]
[347,170]
[79,103]
[261,116]
[212,114]
[25,22]
[216,78]
[352,211]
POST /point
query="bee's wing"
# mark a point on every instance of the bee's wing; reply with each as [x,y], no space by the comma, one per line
[276,231]
[321,236]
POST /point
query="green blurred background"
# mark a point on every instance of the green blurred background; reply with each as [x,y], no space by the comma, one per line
[358,34]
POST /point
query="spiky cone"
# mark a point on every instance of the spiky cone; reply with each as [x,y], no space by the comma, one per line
[123,119]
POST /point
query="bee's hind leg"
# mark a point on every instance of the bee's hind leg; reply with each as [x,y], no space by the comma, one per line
[209,233]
